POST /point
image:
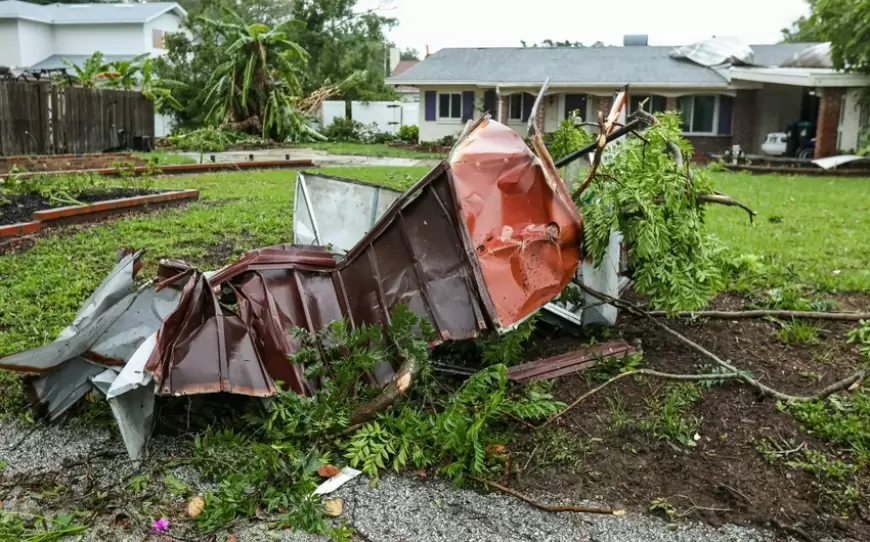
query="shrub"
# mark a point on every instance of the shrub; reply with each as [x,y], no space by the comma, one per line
[343,129]
[409,133]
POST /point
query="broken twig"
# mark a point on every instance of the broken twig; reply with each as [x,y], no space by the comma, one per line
[547,508]
[762,388]
[723,199]
[736,315]
[638,372]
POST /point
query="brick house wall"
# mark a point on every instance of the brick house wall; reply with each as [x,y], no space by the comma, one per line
[743,119]
[828,122]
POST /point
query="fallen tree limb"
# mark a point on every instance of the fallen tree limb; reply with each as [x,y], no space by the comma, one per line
[762,388]
[547,508]
[396,388]
[638,372]
[737,315]
[723,199]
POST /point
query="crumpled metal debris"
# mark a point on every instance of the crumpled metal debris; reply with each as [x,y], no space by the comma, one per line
[483,241]
[716,52]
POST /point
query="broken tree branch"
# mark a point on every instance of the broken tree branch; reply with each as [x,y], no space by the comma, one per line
[723,199]
[737,315]
[547,508]
[762,388]
[638,372]
[396,388]
[596,160]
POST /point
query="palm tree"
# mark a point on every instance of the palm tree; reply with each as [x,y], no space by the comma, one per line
[258,78]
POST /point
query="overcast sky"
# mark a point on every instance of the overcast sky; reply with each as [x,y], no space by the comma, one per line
[503,23]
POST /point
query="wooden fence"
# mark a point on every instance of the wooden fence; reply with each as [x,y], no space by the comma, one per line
[40,118]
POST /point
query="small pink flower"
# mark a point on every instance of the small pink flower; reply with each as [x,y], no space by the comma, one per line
[160,526]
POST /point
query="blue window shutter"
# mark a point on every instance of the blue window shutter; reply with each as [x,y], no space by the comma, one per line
[430,98]
[528,102]
[467,105]
[726,109]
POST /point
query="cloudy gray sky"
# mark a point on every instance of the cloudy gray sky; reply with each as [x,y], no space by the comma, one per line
[503,23]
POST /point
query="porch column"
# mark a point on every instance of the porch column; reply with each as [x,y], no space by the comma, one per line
[828,122]
[503,101]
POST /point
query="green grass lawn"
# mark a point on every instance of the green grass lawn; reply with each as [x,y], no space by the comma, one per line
[165,158]
[825,226]
[818,225]
[365,149]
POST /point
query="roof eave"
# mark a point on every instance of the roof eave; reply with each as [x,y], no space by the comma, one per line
[798,77]
[569,84]
[26,18]
[177,8]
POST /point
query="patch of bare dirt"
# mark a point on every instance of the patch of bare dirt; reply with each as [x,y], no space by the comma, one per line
[724,478]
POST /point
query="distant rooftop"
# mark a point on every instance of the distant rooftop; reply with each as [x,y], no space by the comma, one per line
[87,13]
[576,65]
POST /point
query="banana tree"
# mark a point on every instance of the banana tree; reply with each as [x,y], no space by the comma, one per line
[88,75]
[259,77]
[124,74]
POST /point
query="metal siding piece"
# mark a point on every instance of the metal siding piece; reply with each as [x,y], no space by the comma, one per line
[570,362]
[526,236]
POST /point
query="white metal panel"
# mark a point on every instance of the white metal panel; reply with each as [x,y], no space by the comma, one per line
[331,110]
[343,211]
[387,116]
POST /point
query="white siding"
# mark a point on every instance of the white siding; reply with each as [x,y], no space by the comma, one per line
[850,121]
[168,22]
[36,41]
[111,39]
[437,129]
[10,51]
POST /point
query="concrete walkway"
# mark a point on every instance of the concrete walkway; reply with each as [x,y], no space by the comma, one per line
[320,158]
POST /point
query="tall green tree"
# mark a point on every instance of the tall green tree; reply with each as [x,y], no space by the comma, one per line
[845,23]
[343,41]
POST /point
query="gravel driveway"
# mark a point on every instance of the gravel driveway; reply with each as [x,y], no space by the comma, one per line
[397,509]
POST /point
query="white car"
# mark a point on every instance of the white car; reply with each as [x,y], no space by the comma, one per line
[774,144]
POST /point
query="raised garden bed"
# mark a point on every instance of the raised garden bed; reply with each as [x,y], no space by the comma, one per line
[29,213]
[41,163]
[181,169]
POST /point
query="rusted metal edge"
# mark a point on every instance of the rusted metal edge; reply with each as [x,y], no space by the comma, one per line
[568,363]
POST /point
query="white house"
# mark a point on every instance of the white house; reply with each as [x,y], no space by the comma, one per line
[722,103]
[39,37]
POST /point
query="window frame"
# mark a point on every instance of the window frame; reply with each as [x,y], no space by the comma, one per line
[649,103]
[522,98]
[714,129]
[449,117]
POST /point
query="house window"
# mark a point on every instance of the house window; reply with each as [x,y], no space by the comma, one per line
[654,104]
[516,109]
[699,113]
[575,103]
[157,39]
[450,105]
